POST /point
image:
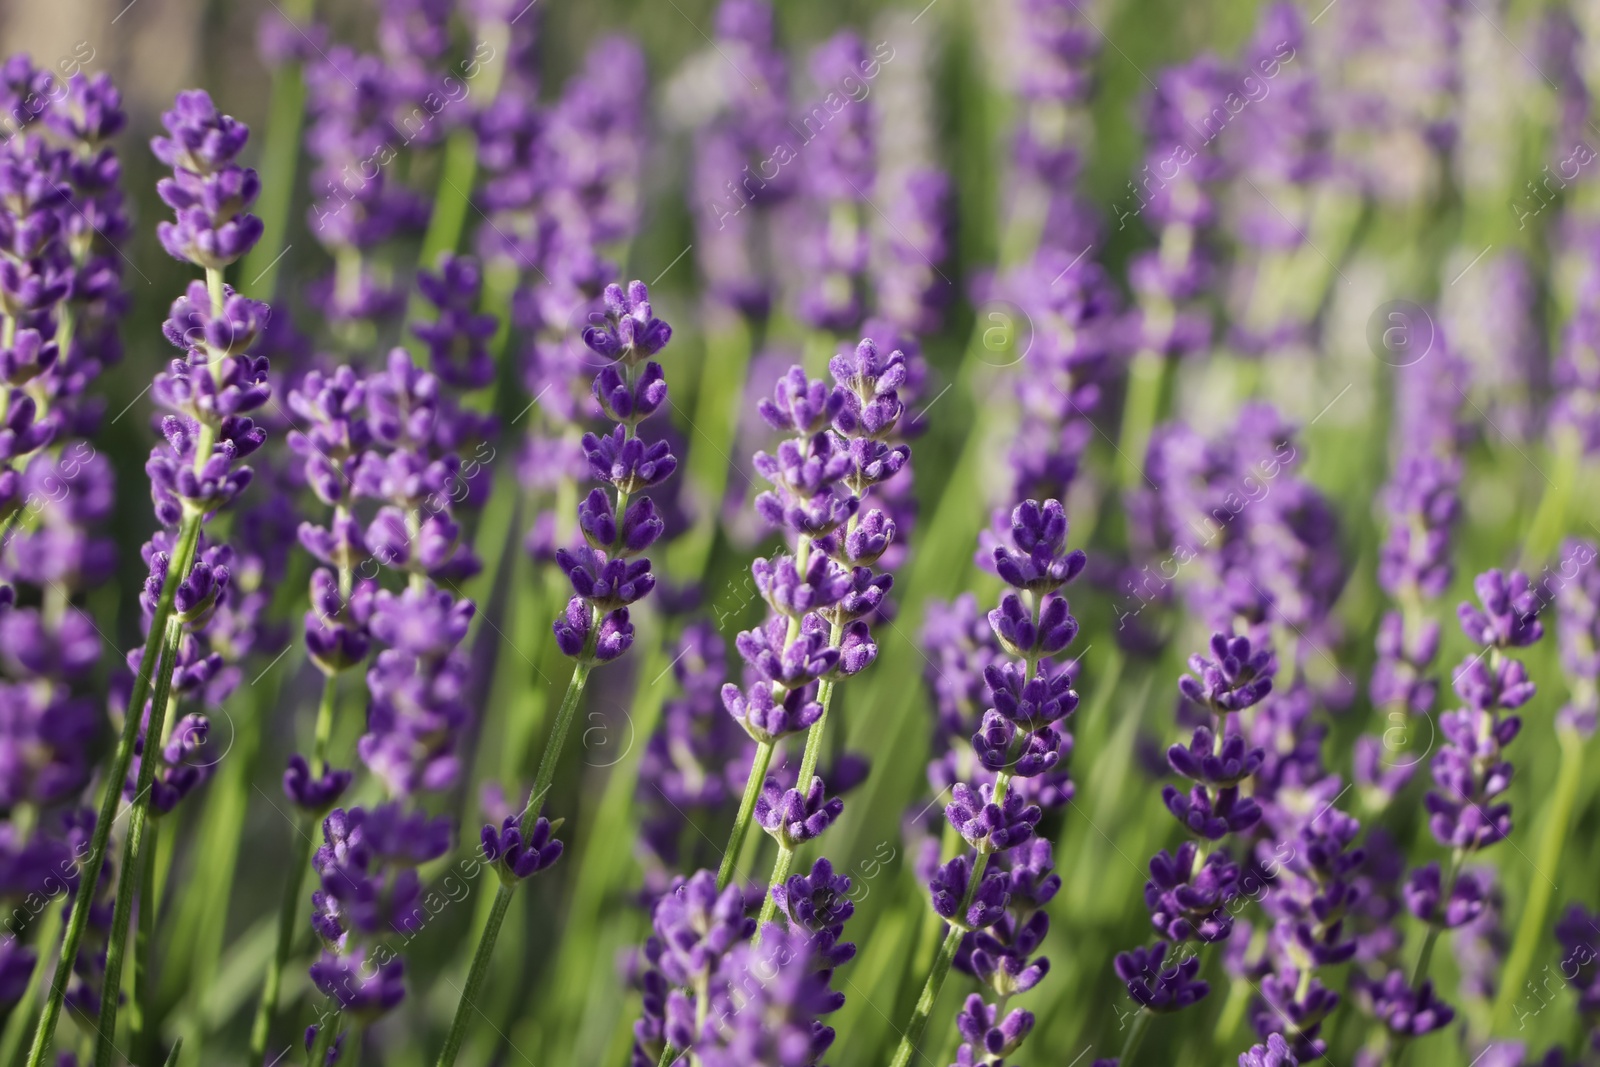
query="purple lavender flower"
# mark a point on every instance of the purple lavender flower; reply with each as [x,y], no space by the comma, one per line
[210,193]
[515,859]
[1234,678]
[458,338]
[697,926]
[1273,1053]
[765,1003]
[1469,771]
[1407,1013]
[1577,598]
[837,177]
[948,886]
[986,1034]
[793,817]
[1160,989]
[595,627]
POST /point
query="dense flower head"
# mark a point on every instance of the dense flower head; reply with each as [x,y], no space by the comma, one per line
[1423,500]
[987,825]
[1036,634]
[1212,817]
[210,194]
[793,817]
[765,1004]
[1037,560]
[1406,1012]
[314,793]
[631,332]
[766,714]
[697,926]
[1234,678]
[1509,617]
[948,887]
[1003,956]
[458,337]
[1158,988]
[1274,1052]
[1213,763]
[988,1035]
[1191,904]
[515,858]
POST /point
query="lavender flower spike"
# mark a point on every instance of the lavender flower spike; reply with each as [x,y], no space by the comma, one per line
[605,578]
[209,395]
[992,897]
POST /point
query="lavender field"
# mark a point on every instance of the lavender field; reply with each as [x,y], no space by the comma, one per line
[749,533]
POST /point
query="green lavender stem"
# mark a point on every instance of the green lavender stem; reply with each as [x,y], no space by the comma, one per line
[1531,928]
[460,168]
[541,785]
[289,909]
[1136,1032]
[89,877]
[135,856]
[1145,377]
[141,1017]
[741,821]
[177,1049]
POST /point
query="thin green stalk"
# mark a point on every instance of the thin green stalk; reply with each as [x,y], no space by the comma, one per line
[459,171]
[1550,518]
[1531,928]
[1136,1032]
[89,876]
[135,856]
[541,785]
[936,976]
[289,908]
[141,1015]
[479,971]
[741,821]
[172,1057]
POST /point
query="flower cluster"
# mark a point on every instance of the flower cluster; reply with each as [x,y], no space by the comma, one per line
[1466,808]
[993,897]
[370,893]
[209,393]
[608,573]
[1189,899]
[823,596]
[737,148]
[358,205]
